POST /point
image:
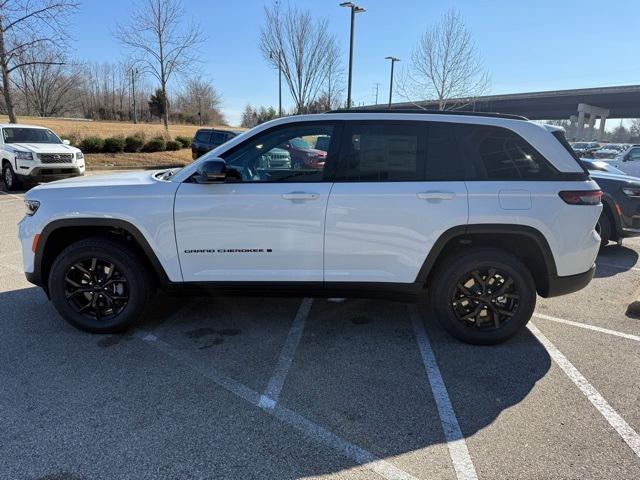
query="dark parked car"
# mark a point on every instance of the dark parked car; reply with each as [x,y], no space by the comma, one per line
[209,138]
[620,217]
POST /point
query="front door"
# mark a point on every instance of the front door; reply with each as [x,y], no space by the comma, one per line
[266,222]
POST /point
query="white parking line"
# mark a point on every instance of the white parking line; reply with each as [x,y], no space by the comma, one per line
[458,450]
[269,399]
[300,423]
[628,434]
[588,327]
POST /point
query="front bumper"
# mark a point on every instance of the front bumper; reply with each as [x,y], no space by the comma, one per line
[48,174]
[557,285]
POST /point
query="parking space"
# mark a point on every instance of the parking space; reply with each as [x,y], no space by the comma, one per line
[236,387]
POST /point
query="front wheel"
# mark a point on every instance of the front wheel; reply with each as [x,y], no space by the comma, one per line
[100,285]
[483,296]
[9,178]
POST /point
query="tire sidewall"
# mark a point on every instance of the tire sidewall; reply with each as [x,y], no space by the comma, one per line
[444,289]
[14,180]
[128,267]
[605,229]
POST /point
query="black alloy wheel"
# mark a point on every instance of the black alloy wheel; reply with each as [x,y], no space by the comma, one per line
[485,299]
[95,288]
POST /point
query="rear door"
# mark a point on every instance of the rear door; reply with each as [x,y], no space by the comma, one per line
[399,186]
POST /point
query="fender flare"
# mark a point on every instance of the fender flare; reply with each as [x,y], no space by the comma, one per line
[56,225]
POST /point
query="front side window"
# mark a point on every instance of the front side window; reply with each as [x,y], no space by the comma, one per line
[203,136]
[29,135]
[283,154]
[501,154]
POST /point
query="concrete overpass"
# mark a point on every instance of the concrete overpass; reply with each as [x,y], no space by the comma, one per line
[581,106]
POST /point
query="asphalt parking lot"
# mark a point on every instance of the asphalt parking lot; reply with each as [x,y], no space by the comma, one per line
[310,388]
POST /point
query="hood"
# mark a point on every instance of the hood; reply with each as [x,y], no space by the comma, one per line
[613,176]
[118,179]
[43,147]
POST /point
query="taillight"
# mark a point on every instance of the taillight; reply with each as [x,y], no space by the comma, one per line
[581,197]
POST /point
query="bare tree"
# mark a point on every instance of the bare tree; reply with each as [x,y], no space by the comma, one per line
[24,25]
[445,64]
[160,42]
[199,103]
[47,87]
[303,46]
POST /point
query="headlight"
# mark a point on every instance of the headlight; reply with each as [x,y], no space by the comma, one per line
[631,191]
[32,207]
[24,156]
[79,155]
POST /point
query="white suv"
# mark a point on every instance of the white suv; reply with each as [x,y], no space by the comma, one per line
[31,154]
[476,211]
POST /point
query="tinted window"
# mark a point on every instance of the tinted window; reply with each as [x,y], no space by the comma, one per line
[203,136]
[281,155]
[29,135]
[500,154]
[218,138]
[443,155]
[381,151]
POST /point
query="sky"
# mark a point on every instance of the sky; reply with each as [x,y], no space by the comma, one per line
[526,45]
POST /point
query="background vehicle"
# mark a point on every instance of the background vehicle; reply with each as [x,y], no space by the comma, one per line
[620,217]
[207,139]
[628,161]
[585,149]
[393,211]
[31,154]
[302,155]
[276,158]
[610,150]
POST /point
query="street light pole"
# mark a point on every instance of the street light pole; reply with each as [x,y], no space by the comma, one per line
[279,81]
[133,93]
[393,61]
[354,9]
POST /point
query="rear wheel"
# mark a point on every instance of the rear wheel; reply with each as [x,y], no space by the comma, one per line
[483,296]
[604,228]
[9,178]
[100,285]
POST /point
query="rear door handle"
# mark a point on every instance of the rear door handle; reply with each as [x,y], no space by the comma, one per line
[300,196]
[436,195]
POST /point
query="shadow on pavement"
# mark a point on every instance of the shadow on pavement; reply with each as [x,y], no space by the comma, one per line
[357,372]
[615,259]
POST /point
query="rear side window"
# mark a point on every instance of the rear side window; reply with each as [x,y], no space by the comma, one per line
[500,154]
[444,161]
[203,136]
[383,151]
[218,138]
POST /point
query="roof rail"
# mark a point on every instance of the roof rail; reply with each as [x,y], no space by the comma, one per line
[432,112]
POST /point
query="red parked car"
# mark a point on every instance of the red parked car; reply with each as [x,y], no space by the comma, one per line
[303,156]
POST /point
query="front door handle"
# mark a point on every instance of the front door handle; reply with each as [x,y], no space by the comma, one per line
[436,195]
[300,196]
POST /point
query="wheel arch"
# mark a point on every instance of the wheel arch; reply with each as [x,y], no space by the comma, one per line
[60,233]
[526,243]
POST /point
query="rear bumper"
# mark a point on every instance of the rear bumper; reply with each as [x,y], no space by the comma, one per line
[564,285]
[49,174]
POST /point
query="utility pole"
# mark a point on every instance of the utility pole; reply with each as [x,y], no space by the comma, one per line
[133,93]
[279,80]
[199,111]
[393,60]
[377,84]
[354,9]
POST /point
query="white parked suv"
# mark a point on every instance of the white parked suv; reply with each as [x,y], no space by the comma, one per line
[30,154]
[478,212]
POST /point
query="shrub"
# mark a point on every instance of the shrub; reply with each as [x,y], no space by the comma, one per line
[173,145]
[114,144]
[185,142]
[133,143]
[92,145]
[73,138]
[156,144]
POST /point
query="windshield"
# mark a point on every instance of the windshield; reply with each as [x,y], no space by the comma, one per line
[29,135]
[579,145]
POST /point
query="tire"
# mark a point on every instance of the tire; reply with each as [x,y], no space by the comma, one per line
[128,298]
[451,306]
[9,178]
[604,228]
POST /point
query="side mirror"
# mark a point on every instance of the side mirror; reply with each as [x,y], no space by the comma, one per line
[66,142]
[212,171]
